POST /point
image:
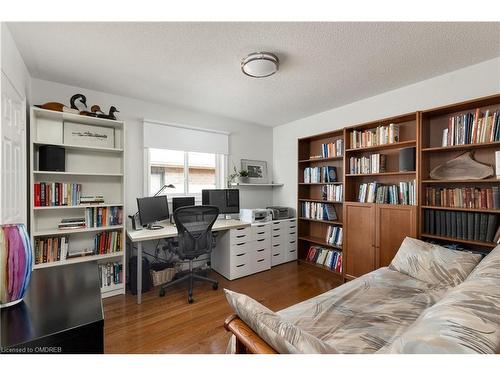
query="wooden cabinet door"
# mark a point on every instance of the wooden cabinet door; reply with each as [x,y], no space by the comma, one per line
[359,239]
[393,224]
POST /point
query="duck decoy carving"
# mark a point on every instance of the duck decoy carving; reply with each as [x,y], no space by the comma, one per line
[111,115]
[59,107]
[82,100]
[96,109]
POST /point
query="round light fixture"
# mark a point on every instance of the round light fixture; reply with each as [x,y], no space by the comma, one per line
[260,64]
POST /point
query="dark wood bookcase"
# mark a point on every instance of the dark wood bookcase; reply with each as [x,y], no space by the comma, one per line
[311,231]
[432,154]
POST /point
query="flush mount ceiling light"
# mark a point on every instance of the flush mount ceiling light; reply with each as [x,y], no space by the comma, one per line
[260,64]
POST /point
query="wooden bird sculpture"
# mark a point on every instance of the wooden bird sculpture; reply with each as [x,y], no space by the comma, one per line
[82,100]
[96,109]
[111,115]
[59,107]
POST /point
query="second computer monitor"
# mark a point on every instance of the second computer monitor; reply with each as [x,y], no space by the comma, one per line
[228,200]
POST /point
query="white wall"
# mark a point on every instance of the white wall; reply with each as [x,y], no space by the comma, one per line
[247,140]
[12,64]
[471,82]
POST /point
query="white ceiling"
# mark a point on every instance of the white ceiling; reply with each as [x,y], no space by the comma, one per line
[196,65]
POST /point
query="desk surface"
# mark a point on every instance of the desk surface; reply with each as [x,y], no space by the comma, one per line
[170,230]
[59,299]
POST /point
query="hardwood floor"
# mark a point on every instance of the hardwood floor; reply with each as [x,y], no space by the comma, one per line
[171,325]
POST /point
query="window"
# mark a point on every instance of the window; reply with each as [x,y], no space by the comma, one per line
[189,172]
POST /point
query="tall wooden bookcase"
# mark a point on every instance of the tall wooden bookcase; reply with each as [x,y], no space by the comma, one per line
[312,231]
[432,154]
[373,232]
[99,170]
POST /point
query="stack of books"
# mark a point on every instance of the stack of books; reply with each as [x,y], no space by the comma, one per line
[92,199]
[318,211]
[325,257]
[110,274]
[470,128]
[381,135]
[56,194]
[374,192]
[320,174]
[332,193]
[375,163]
[73,223]
[472,226]
[51,249]
[333,149]
[334,235]
[107,242]
[464,197]
[103,216]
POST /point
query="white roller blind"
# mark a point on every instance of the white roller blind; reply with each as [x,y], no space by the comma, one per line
[183,138]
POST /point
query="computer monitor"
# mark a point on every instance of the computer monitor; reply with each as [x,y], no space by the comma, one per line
[228,200]
[152,210]
[180,202]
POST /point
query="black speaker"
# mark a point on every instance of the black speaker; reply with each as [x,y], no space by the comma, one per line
[52,158]
[407,159]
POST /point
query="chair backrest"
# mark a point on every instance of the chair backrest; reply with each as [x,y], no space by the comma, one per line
[194,227]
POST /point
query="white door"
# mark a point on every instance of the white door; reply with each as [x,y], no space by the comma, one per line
[13,198]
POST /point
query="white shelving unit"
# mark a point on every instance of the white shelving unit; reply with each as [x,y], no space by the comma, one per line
[99,170]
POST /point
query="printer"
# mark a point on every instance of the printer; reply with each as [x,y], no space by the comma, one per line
[280,212]
[255,215]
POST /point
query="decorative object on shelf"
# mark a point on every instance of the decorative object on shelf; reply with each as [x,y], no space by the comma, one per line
[111,114]
[15,263]
[59,107]
[81,98]
[463,167]
[51,158]
[257,170]
[260,64]
[407,159]
[88,135]
[96,110]
[238,177]
[243,177]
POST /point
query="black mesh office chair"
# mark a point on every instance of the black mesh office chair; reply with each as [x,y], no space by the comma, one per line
[194,227]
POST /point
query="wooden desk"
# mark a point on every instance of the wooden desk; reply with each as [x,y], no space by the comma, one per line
[61,313]
[168,231]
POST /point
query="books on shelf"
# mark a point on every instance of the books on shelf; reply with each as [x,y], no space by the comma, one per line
[380,135]
[471,226]
[91,199]
[110,274]
[375,163]
[334,235]
[72,223]
[332,193]
[107,242]
[318,211]
[56,194]
[96,217]
[374,192]
[471,128]
[325,257]
[464,197]
[51,249]
[320,174]
[332,149]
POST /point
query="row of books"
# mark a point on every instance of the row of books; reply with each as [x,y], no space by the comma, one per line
[329,150]
[320,174]
[465,197]
[318,211]
[375,163]
[470,128]
[51,249]
[472,226]
[374,192]
[332,193]
[325,257]
[110,273]
[334,235]
[107,242]
[72,223]
[56,194]
[103,216]
[380,135]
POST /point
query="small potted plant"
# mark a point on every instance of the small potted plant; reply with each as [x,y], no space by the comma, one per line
[237,176]
[243,177]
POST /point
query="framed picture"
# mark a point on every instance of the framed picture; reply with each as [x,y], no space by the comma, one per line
[257,170]
[88,135]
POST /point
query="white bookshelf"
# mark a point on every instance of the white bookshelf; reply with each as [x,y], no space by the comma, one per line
[99,170]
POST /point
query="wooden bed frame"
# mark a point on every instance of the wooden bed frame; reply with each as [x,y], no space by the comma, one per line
[247,341]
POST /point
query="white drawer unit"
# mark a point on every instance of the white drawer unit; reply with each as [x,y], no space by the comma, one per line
[260,231]
[240,235]
[277,254]
[283,241]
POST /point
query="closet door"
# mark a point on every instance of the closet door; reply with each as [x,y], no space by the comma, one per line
[393,224]
[359,241]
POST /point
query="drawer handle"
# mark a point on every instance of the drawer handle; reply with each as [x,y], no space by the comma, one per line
[276,228]
[263,239]
[240,255]
[276,255]
[240,244]
[261,260]
[291,233]
[292,251]
[292,241]
[260,226]
[241,228]
[240,265]
[240,236]
[260,250]
[261,232]
[278,244]
[276,236]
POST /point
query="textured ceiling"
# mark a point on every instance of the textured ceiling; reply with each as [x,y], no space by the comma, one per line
[196,65]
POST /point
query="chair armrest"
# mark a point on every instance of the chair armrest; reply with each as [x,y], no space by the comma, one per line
[247,341]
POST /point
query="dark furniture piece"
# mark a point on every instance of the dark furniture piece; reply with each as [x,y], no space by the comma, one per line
[61,313]
[194,227]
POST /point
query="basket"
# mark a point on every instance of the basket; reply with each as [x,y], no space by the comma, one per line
[163,276]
